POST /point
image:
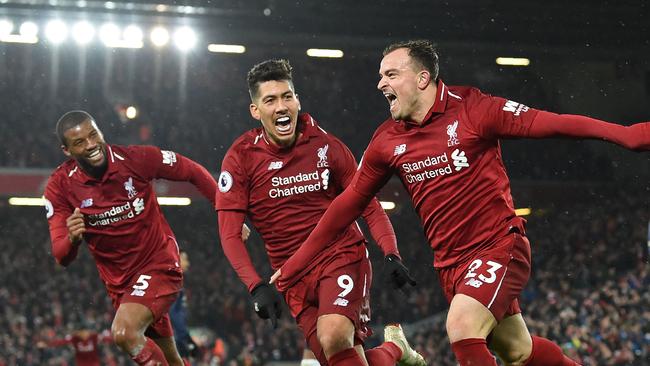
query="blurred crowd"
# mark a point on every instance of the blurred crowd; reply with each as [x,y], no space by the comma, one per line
[588,290]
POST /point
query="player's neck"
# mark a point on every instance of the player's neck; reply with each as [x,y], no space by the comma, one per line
[95,172]
[424,104]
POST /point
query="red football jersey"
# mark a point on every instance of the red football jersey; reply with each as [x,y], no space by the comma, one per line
[284,192]
[86,350]
[125,226]
[451,166]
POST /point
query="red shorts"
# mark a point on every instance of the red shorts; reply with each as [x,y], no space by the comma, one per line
[338,286]
[156,289]
[494,277]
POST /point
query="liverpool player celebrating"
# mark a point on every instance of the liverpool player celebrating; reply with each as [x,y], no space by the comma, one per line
[104,195]
[85,343]
[283,176]
[443,143]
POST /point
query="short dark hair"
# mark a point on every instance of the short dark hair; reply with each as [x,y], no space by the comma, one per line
[70,120]
[421,51]
[276,69]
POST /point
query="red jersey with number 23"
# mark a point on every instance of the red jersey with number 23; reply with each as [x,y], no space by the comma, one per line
[451,166]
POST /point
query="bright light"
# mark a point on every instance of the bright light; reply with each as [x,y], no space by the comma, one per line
[109,33]
[159,36]
[387,205]
[56,31]
[174,201]
[131,112]
[161,7]
[184,38]
[320,52]
[6,27]
[26,201]
[109,5]
[133,34]
[83,32]
[28,29]
[523,211]
[513,61]
[226,48]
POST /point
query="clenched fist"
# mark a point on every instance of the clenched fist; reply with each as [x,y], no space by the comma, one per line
[76,227]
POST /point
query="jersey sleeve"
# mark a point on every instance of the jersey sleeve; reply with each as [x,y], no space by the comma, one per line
[154,163]
[373,172]
[378,222]
[494,117]
[58,209]
[230,224]
[233,184]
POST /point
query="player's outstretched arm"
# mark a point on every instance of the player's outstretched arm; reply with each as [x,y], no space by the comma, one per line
[341,213]
[546,124]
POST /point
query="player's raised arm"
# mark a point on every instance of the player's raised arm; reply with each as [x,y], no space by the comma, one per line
[174,166]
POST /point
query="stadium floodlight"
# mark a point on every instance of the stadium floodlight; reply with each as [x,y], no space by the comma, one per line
[185,38]
[6,27]
[26,201]
[132,34]
[174,201]
[226,48]
[159,36]
[83,32]
[28,29]
[109,33]
[387,205]
[512,61]
[131,112]
[523,211]
[56,31]
[109,5]
[323,52]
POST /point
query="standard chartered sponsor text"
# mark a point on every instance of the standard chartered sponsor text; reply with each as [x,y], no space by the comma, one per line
[115,214]
[435,162]
[296,189]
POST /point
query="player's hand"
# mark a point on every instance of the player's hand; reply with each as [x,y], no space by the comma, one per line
[266,303]
[396,273]
[245,232]
[76,227]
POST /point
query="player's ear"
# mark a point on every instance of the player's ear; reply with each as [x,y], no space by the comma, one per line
[65,150]
[255,112]
[424,78]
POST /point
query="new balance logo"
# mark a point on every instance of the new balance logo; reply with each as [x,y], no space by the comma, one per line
[86,203]
[275,165]
[169,157]
[459,159]
[399,149]
[137,292]
[341,302]
[474,283]
[514,107]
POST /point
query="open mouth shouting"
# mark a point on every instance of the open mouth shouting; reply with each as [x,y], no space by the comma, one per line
[96,156]
[283,125]
[392,99]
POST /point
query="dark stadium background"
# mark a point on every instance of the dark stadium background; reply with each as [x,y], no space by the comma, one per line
[590,200]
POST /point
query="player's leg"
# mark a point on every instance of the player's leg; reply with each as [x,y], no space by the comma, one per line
[129,325]
[335,334]
[168,346]
[468,324]
[309,358]
[483,291]
[513,344]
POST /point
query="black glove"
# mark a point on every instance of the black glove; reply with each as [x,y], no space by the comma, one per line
[266,303]
[396,273]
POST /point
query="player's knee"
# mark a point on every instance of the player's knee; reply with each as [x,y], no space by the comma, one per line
[513,353]
[334,341]
[127,338]
[459,327]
